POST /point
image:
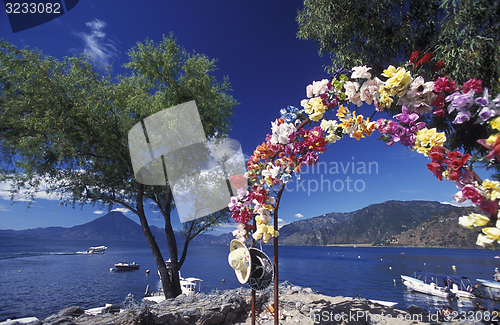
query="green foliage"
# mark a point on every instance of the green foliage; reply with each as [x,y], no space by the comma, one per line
[465,34]
[64,126]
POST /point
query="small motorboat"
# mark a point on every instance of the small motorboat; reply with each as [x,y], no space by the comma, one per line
[94,250]
[492,287]
[126,266]
[461,286]
[427,283]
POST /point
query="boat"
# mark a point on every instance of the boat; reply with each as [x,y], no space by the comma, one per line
[492,287]
[94,250]
[427,283]
[189,287]
[127,266]
[460,286]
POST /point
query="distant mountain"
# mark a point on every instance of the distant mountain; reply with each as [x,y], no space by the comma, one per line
[114,225]
[440,230]
[301,232]
[411,223]
[373,224]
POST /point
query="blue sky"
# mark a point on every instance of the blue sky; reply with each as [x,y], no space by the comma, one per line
[256,47]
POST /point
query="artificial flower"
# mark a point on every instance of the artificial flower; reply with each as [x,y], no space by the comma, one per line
[361,72]
[473,220]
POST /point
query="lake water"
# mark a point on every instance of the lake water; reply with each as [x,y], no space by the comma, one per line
[40,276]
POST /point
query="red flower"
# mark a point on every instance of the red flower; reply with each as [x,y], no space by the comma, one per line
[427,57]
[238,181]
[489,207]
[438,66]
[414,56]
[439,112]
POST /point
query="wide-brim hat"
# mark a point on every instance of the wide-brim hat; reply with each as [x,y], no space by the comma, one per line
[262,270]
[240,261]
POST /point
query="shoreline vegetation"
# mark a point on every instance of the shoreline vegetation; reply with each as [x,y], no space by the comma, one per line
[298,305]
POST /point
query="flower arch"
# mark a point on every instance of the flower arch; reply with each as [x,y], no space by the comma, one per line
[290,146]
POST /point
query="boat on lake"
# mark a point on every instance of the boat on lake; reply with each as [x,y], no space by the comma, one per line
[428,283]
[492,288]
[460,286]
[94,250]
[189,287]
[126,266]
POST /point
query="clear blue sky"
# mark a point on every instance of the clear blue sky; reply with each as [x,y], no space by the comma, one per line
[256,47]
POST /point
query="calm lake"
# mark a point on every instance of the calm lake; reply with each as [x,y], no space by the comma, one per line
[40,276]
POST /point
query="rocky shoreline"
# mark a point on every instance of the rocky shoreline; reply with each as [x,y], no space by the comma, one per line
[297,306]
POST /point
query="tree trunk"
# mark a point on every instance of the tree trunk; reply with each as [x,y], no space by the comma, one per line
[172,246]
[171,285]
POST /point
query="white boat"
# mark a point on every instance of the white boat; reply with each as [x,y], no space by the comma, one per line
[460,286]
[127,266]
[189,287]
[492,287]
[94,250]
[427,283]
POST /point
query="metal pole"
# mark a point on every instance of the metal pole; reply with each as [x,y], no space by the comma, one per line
[276,300]
[253,307]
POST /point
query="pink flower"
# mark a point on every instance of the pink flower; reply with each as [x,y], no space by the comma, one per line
[351,89]
[489,207]
[444,84]
[473,84]
[368,89]
[471,193]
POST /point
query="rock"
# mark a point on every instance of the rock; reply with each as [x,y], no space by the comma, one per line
[417,310]
[72,311]
[212,318]
[230,317]
[58,320]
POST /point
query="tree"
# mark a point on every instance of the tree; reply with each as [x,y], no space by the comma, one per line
[464,34]
[64,128]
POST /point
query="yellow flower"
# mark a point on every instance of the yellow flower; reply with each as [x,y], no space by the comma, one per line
[490,235]
[491,139]
[425,139]
[398,83]
[491,189]
[342,111]
[473,220]
[357,134]
[495,123]
[389,72]
[315,109]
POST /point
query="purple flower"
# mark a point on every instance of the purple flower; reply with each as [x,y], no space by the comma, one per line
[483,101]
[461,117]
[311,158]
[463,102]
[486,113]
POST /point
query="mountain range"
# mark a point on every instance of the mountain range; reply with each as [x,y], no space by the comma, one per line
[399,223]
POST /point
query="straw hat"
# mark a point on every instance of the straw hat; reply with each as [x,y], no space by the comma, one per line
[262,270]
[239,259]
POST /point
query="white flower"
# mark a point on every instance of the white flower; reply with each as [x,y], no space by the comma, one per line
[419,97]
[369,89]
[351,89]
[361,72]
[281,132]
[317,88]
